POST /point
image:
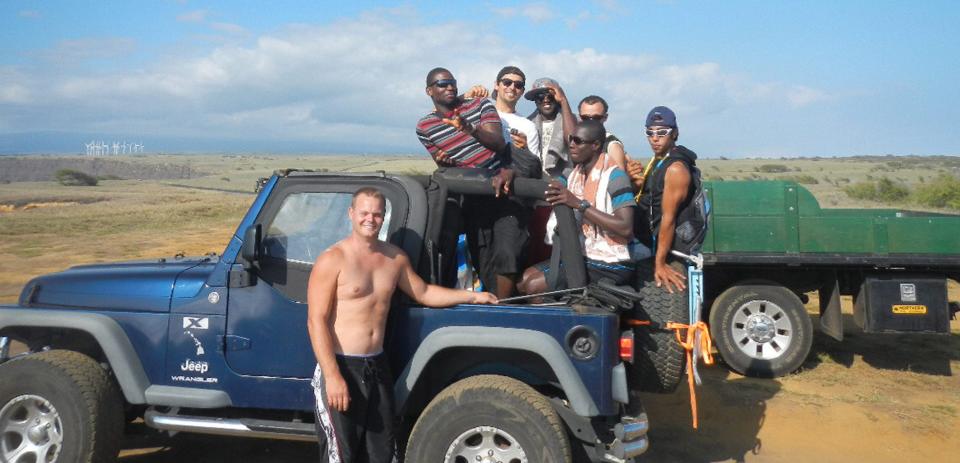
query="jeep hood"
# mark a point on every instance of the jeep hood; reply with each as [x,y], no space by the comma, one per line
[134,286]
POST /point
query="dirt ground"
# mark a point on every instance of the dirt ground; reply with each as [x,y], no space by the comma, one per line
[882,398]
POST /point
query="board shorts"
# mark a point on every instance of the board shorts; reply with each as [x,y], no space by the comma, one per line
[497,234]
[365,433]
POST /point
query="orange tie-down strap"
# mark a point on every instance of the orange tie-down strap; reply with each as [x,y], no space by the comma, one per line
[706,348]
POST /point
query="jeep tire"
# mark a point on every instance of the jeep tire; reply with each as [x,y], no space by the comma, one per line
[658,359]
[58,406]
[761,329]
[489,417]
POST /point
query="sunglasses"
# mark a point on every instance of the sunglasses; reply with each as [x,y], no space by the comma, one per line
[659,132]
[592,117]
[441,83]
[543,96]
[517,84]
[580,141]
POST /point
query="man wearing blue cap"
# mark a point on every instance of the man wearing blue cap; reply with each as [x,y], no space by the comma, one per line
[664,187]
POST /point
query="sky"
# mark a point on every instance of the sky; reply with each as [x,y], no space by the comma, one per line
[746,78]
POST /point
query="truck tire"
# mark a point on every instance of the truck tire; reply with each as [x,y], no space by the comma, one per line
[58,406]
[489,418]
[658,359]
[761,329]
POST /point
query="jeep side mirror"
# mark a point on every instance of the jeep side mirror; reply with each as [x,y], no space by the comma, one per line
[250,251]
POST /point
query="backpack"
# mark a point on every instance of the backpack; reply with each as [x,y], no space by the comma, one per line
[694,217]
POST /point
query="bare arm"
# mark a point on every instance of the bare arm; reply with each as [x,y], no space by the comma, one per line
[321,302]
[569,120]
[433,295]
[615,151]
[676,185]
[619,223]
[489,134]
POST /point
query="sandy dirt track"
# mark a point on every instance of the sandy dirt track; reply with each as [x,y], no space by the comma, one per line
[870,398]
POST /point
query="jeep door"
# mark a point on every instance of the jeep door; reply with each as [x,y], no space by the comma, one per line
[266,321]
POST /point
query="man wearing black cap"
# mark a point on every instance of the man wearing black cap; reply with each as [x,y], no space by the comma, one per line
[555,121]
[663,189]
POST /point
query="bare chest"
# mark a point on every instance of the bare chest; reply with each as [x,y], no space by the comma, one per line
[364,281]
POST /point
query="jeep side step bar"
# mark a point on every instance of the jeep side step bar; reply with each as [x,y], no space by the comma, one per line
[242,427]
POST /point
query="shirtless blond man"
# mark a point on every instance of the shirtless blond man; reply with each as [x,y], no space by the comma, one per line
[349,296]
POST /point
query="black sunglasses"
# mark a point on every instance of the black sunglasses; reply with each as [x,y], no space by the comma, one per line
[592,117]
[517,84]
[580,141]
[543,96]
[441,83]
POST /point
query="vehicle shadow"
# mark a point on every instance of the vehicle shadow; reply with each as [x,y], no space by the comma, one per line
[920,353]
[731,409]
[144,445]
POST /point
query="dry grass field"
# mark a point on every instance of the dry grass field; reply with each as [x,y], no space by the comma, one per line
[870,398]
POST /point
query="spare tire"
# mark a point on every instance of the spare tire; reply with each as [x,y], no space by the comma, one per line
[658,359]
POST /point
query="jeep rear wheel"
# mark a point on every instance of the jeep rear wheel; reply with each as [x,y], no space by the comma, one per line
[58,406]
[489,419]
[659,360]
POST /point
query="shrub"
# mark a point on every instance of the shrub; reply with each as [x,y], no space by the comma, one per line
[109,177]
[883,190]
[942,191]
[804,179]
[70,177]
[889,192]
[773,168]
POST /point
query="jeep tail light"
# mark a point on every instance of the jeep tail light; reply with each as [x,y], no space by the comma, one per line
[626,347]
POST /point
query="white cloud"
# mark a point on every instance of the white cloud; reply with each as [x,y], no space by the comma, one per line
[537,12]
[800,96]
[194,16]
[358,82]
[228,28]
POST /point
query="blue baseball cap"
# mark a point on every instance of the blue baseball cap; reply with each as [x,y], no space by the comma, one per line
[663,116]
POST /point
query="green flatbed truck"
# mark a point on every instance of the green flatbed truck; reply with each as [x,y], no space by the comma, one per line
[770,243]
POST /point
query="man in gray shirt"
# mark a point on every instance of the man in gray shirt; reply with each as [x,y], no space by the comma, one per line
[555,122]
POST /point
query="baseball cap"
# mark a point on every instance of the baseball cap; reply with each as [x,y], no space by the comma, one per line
[661,115]
[539,86]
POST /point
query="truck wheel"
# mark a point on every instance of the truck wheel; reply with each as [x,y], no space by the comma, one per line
[488,418]
[58,406]
[659,359]
[761,329]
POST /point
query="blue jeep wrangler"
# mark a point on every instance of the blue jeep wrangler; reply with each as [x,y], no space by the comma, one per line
[218,344]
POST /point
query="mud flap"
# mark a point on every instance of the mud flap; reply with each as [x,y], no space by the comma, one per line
[831,321]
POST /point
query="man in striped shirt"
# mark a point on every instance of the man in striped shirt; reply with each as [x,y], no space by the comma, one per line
[467,133]
[460,132]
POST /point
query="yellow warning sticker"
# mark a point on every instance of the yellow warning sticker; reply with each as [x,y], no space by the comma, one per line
[910,309]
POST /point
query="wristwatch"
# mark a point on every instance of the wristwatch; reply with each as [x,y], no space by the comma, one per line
[584,205]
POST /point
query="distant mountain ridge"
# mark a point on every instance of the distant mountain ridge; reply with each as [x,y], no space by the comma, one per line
[43,168]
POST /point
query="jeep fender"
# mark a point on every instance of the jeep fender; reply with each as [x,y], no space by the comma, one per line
[113,340]
[536,342]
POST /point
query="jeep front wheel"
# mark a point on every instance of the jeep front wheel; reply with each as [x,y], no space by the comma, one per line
[58,406]
[489,419]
